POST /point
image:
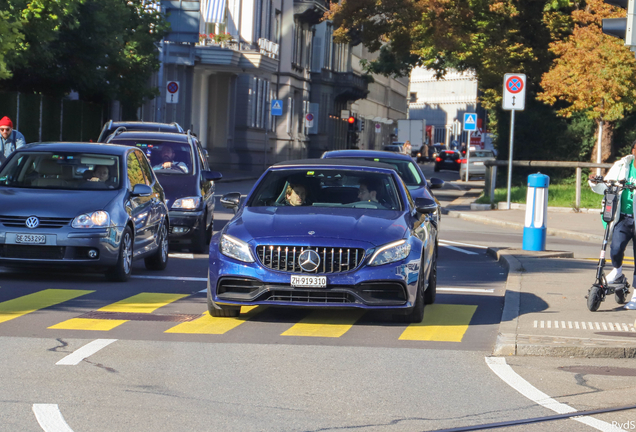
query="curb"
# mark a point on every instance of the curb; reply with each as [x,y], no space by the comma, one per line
[510,343]
[550,231]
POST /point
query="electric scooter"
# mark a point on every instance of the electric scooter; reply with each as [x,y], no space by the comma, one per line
[620,288]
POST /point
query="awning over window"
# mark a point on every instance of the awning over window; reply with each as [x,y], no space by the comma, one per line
[214,11]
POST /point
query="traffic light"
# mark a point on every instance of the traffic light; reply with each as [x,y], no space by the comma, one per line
[622,28]
[352,123]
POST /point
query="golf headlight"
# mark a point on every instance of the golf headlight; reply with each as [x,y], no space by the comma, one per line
[235,248]
[98,219]
[187,203]
[391,252]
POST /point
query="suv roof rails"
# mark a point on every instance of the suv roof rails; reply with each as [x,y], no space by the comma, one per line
[119,130]
[179,128]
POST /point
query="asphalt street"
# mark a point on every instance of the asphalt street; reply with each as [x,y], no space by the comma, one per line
[83,354]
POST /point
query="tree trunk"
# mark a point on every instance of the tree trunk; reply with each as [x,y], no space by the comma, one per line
[607,151]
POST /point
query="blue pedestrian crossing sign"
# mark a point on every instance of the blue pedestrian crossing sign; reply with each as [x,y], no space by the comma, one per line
[277,107]
[470,122]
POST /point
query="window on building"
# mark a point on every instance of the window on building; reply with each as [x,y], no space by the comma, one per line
[277,26]
[259,103]
[412,97]
[297,53]
[328,46]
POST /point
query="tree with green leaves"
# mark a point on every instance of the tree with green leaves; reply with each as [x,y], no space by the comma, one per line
[103,49]
[593,74]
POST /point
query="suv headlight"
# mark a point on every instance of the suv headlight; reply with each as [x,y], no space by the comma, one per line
[187,203]
[391,252]
[98,219]
[235,248]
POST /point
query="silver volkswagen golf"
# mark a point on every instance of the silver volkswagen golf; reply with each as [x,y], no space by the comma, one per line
[79,204]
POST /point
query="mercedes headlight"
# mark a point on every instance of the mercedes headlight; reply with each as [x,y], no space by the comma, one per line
[98,219]
[235,248]
[391,252]
[187,203]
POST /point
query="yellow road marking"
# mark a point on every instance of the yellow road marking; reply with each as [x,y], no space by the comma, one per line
[215,325]
[88,324]
[140,303]
[442,323]
[17,307]
[328,323]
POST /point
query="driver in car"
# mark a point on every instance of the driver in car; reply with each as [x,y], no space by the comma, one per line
[368,191]
[167,156]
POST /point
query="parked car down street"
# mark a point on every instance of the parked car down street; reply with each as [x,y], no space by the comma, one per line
[85,205]
[477,167]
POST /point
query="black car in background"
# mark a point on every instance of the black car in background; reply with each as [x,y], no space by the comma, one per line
[86,205]
[112,126]
[448,160]
[186,179]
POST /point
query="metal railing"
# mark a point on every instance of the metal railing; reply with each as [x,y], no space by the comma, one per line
[491,173]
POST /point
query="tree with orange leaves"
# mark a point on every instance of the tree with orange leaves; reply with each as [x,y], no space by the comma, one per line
[593,73]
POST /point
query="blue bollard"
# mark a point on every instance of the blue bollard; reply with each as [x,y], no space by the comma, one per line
[534,231]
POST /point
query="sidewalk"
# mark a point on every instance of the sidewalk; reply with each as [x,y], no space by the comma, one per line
[545,309]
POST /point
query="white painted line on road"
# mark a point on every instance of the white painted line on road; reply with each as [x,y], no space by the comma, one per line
[87,350]
[177,278]
[499,366]
[458,249]
[463,244]
[471,290]
[50,418]
[181,255]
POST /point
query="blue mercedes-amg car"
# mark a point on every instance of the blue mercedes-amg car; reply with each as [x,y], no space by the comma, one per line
[326,233]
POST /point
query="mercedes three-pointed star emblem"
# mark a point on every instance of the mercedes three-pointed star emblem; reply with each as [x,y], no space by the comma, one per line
[309,260]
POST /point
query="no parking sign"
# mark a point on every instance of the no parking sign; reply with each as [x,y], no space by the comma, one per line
[172,92]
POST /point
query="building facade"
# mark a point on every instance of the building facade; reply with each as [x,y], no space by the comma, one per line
[230,59]
[443,103]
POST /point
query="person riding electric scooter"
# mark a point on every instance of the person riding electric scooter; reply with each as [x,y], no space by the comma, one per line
[618,213]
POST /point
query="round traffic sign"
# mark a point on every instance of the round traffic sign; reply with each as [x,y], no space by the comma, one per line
[309,117]
[514,84]
[173,87]
[378,126]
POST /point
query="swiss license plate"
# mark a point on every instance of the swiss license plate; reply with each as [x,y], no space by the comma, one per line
[309,281]
[30,238]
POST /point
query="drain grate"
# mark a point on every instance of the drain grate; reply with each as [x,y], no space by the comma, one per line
[132,316]
[600,370]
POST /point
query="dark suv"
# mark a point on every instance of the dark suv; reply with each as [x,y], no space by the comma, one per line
[448,160]
[182,168]
[112,126]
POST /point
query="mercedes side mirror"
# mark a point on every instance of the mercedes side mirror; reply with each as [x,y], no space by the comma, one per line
[211,175]
[425,205]
[141,190]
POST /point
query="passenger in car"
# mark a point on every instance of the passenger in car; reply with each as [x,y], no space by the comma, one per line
[295,194]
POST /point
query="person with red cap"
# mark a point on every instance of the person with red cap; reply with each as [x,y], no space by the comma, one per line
[10,139]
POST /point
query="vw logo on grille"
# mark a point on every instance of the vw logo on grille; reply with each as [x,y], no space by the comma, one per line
[32,222]
[309,260]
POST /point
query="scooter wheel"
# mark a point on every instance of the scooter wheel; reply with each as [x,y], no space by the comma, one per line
[594,298]
[620,295]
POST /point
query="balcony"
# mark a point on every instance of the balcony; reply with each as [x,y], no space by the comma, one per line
[238,56]
[349,86]
[310,11]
